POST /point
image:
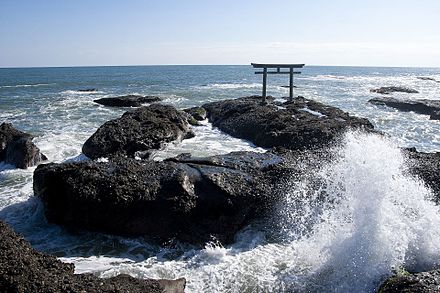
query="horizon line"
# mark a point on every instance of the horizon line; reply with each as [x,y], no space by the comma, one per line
[157,65]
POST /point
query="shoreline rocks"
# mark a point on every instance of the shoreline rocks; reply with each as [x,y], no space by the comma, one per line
[297,125]
[127,101]
[426,107]
[194,200]
[23,269]
[386,90]
[138,132]
[17,148]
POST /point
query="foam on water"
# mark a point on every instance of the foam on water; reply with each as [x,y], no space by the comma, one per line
[344,228]
[208,141]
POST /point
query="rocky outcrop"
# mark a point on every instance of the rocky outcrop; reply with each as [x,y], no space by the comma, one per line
[427,107]
[137,132]
[386,90]
[17,148]
[23,269]
[297,124]
[425,282]
[191,199]
[427,167]
[127,101]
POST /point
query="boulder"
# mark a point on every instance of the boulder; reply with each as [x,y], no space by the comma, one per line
[190,199]
[425,282]
[137,132]
[23,269]
[198,113]
[297,124]
[17,148]
[127,101]
[386,90]
[427,107]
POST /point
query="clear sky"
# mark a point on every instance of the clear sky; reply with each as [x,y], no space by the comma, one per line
[136,32]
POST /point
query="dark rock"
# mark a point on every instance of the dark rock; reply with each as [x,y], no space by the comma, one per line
[426,166]
[141,130]
[17,148]
[386,90]
[427,107]
[89,90]
[288,86]
[23,269]
[127,101]
[191,199]
[425,282]
[198,113]
[427,78]
[296,124]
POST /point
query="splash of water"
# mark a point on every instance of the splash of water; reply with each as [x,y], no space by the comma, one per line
[345,228]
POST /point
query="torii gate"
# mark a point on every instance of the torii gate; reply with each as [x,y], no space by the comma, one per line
[278,67]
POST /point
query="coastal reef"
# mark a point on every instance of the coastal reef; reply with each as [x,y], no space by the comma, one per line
[421,106]
[189,199]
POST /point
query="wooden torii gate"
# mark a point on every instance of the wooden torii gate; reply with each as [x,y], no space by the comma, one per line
[278,67]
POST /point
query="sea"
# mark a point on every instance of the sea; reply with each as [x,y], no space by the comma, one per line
[377,221]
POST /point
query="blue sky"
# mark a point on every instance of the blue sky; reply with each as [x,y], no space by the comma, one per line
[338,32]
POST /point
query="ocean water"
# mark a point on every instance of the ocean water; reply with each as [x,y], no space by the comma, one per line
[376,219]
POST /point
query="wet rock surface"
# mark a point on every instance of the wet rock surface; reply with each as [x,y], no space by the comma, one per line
[190,199]
[23,269]
[137,132]
[298,124]
[425,282]
[127,101]
[17,148]
[386,90]
[198,113]
[427,167]
[427,107]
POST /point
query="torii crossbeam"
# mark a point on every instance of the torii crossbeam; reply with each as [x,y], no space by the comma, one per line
[278,68]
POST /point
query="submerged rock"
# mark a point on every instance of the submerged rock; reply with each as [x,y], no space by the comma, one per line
[17,148]
[425,282]
[427,107]
[191,199]
[127,101]
[137,132]
[23,269]
[386,90]
[88,90]
[427,78]
[297,124]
